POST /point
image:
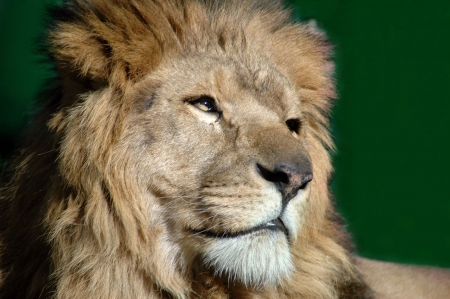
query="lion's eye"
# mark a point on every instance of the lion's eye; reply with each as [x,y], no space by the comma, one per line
[294,125]
[205,103]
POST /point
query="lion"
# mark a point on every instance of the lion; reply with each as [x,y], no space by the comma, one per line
[183,151]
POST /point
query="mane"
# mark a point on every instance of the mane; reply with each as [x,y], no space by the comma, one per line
[76,221]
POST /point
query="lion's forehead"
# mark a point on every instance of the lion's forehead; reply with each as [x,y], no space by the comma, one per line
[257,88]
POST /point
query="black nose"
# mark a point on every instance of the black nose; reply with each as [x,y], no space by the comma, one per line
[288,178]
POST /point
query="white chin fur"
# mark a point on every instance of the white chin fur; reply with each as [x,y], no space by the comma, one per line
[260,259]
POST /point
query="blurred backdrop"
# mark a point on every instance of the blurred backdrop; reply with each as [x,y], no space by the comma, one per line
[391,122]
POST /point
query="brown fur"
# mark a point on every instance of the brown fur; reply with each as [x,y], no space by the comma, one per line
[115,171]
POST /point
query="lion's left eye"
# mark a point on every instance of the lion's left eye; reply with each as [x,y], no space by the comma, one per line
[294,125]
[206,104]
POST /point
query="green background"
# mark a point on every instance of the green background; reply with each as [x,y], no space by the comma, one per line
[391,122]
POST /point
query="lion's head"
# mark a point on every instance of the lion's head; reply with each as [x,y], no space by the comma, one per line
[183,153]
[227,165]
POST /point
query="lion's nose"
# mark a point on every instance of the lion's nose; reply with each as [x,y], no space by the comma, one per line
[288,178]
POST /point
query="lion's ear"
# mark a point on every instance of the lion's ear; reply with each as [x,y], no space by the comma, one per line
[79,53]
[319,34]
[76,43]
[101,42]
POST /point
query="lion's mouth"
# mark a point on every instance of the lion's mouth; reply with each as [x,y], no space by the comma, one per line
[275,225]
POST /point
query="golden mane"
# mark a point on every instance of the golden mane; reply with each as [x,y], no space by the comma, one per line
[76,220]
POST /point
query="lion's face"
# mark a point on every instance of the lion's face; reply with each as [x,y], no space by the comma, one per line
[220,148]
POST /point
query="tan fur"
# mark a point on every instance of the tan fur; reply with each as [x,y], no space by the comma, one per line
[394,281]
[122,172]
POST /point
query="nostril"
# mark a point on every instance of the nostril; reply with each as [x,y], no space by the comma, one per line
[273,176]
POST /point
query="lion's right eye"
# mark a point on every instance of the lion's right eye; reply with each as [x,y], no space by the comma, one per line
[205,103]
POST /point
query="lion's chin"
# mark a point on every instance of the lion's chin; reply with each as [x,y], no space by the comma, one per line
[260,259]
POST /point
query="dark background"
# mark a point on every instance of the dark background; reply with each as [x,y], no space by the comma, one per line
[391,122]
